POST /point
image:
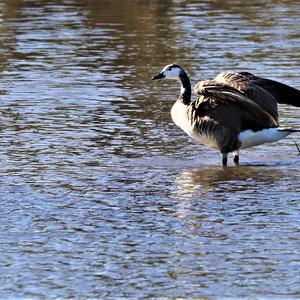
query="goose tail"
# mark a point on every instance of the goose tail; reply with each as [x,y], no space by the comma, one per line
[288,130]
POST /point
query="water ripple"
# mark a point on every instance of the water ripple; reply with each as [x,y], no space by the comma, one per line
[101,195]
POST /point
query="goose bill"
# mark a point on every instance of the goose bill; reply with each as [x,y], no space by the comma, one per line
[158,76]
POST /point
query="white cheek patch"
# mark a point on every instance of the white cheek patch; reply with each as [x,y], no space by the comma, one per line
[173,73]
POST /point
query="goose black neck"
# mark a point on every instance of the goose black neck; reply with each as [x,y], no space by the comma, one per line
[185,96]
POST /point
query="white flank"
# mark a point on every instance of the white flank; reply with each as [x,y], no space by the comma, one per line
[180,118]
[251,138]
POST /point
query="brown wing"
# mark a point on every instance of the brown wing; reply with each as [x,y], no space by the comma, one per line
[254,92]
[206,85]
[232,110]
[234,79]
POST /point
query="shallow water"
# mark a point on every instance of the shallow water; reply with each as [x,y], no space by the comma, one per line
[101,195]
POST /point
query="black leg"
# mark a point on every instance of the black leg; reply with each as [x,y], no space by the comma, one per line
[224,160]
[236,159]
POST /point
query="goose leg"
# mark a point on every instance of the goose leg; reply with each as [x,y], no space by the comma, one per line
[224,159]
[236,157]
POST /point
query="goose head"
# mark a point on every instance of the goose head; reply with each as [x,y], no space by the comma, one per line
[170,72]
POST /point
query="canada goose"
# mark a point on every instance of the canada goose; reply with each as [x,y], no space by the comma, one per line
[223,117]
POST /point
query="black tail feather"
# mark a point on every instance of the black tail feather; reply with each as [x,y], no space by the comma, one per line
[283,93]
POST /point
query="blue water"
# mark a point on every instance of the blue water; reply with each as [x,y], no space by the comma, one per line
[102,197]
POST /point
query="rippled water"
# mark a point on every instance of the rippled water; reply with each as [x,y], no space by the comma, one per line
[101,195]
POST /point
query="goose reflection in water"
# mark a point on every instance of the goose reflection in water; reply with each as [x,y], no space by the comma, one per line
[219,179]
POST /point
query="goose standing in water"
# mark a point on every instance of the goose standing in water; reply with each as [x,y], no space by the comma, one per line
[234,111]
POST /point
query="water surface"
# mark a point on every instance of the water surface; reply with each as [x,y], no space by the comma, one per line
[101,195]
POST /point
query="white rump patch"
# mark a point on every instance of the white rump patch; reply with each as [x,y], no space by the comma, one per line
[251,138]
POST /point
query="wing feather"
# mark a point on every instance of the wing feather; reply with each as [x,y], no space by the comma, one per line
[254,92]
[231,109]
